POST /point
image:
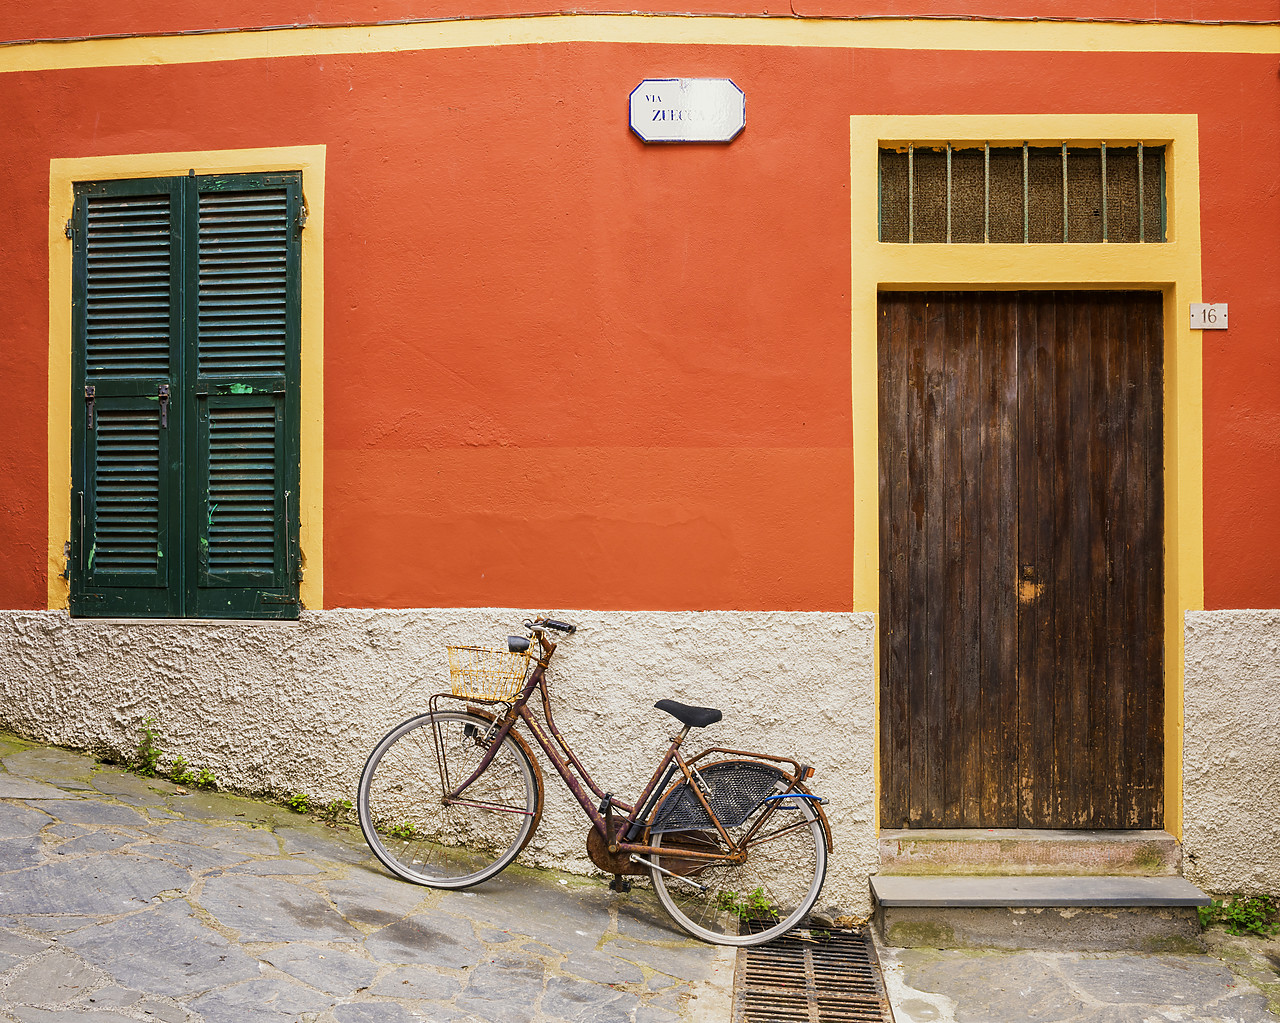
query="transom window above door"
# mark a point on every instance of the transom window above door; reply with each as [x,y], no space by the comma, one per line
[1008,193]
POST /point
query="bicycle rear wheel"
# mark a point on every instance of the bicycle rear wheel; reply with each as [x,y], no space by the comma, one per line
[757,900]
[422,838]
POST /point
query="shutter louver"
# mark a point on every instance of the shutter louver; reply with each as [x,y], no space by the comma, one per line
[242,492]
[128,300]
[126,496]
[243,303]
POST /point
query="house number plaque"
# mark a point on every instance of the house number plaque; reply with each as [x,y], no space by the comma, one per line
[688,110]
[1206,316]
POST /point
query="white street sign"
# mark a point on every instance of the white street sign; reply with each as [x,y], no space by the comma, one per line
[1205,316]
[688,110]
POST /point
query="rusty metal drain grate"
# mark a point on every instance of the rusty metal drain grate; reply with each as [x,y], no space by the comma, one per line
[811,977]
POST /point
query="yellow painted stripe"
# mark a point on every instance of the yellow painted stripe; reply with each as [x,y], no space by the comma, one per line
[891,34]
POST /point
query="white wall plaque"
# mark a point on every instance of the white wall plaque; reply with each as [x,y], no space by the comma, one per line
[688,110]
[1208,317]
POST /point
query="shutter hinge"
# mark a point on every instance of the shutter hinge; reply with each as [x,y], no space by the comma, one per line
[302,216]
[66,554]
[70,231]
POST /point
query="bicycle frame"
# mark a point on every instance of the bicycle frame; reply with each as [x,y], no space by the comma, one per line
[602,818]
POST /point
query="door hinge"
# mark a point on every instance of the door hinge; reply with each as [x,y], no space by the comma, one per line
[278,598]
[70,231]
[302,216]
[66,557]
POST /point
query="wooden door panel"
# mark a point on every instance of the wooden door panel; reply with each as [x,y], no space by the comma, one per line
[1022,559]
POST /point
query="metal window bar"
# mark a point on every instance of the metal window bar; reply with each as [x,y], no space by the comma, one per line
[1064,150]
[948,193]
[986,192]
[1104,191]
[1026,193]
[1066,236]
[911,194]
[1142,202]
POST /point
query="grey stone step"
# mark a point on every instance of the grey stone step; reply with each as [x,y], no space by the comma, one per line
[1011,851]
[1145,914]
[1094,891]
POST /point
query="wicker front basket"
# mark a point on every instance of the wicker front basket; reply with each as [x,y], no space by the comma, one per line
[479,673]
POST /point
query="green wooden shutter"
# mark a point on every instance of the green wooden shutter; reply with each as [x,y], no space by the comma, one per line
[244,353]
[126,425]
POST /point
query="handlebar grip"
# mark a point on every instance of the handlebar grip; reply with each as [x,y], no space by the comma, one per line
[551,623]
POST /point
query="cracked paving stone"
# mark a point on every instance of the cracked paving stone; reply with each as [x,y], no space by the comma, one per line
[281,867]
[652,1014]
[244,839]
[982,985]
[13,787]
[57,923]
[51,979]
[192,857]
[333,972]
[94,841]
[575,921]
[329,844]
[1140,980]
[197,805]
[603,969]
[503,991]
[94,885]
[434,939]
[261,1000]
[32,1015]
[384,1012]
[373,899]
[579,1001]
[641,916]
[16,853]
[416,982]
[119,784]
[114,997]
[71,770]
[165,951]
[692,962]
[95,813]
[21,821]
[265,909]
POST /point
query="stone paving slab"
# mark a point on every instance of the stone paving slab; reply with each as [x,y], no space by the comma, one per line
[127,899]
[950,986]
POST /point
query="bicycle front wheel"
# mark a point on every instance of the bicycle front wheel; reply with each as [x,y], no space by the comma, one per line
[748,903]
[422,835]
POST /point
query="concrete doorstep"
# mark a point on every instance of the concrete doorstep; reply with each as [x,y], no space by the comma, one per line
[123,899]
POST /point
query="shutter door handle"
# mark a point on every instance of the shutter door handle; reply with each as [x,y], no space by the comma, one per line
[89,394]
[164,405]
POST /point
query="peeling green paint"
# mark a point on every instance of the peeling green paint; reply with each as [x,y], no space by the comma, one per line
[92,553]
[240,389]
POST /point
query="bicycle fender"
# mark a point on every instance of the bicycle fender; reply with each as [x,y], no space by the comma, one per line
[537,768]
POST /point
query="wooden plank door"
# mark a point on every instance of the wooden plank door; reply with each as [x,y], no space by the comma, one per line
[1021,554]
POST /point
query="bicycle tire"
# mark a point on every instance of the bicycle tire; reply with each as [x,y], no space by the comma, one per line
[408,825]
[784,868]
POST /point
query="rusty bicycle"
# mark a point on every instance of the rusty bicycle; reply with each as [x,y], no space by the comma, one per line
[734,841]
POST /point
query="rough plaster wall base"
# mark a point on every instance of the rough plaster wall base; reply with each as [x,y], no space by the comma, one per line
[296,706]
[1231,753]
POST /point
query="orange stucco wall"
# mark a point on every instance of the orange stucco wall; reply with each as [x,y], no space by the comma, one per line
[566,369]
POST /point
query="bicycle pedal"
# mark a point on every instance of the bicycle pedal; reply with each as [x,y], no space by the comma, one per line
[620,884]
